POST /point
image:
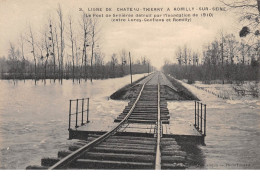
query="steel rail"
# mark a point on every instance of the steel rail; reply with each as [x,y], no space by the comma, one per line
[158,146]
[73,156]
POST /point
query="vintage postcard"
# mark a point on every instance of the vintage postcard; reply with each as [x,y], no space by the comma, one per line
[120,84]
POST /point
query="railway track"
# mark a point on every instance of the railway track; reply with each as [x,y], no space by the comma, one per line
[114,151]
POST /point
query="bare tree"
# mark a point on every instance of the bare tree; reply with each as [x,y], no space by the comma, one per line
[62,46]
[13,58]
[143,60]
[250,14]
[58,52]
[77,60]
[72,48]
[41,47]
[47,55]
[85,25]
[231,47]
[195,59]
[23,58]
[32,42]
[179,55]
[123,56]
[93,36]
[113,62]
[53,48]
[185,54]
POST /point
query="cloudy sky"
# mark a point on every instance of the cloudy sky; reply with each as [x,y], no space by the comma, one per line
[156,41]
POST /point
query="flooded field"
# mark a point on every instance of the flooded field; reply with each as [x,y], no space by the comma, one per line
[233,130]
[34,119]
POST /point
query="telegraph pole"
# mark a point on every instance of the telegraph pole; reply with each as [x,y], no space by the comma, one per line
[130,67]
[222,58]
[148,68]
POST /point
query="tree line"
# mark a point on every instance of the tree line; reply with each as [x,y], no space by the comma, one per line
[66,48]
[225,59]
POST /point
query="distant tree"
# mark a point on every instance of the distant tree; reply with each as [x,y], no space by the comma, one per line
[113,62]
[62,42]
[33,51]
[93,36]
[123,57]
[72,47]
[46,56]
[53,54]
[58,52]
[85,26]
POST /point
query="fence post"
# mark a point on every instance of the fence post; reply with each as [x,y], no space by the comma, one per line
[88,110]
[69,114]
[198,125]
[76,126]
[82,111]
[201,117]
[195,114]
[205,112]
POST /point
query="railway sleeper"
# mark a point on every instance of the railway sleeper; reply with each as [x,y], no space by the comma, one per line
[123,150]
[141,147]
[118,157]
[127,137]
[35,167]
[153,113]
[173,153]
[132,137]
[171,147]
[108,164]
[142,121]
[130,141]
[137,108]
[173,159]
[148,103]
[146,109]
[145,117]
[173,166]
[166,143]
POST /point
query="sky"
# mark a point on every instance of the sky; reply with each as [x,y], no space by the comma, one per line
[156,41]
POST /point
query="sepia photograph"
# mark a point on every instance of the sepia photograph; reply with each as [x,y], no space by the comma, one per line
[129,85]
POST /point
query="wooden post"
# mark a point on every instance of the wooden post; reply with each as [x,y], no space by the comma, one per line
[205,112]
[69,115]
[82,111]
[195,114]
[201,117]
[198,115]
[148,68]
[130,67]
[88,110]
[76,126]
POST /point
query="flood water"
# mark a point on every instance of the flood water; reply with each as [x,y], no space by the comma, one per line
[34,121]
[233,130]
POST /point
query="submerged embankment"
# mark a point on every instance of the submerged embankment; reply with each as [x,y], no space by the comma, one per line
[174,90]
